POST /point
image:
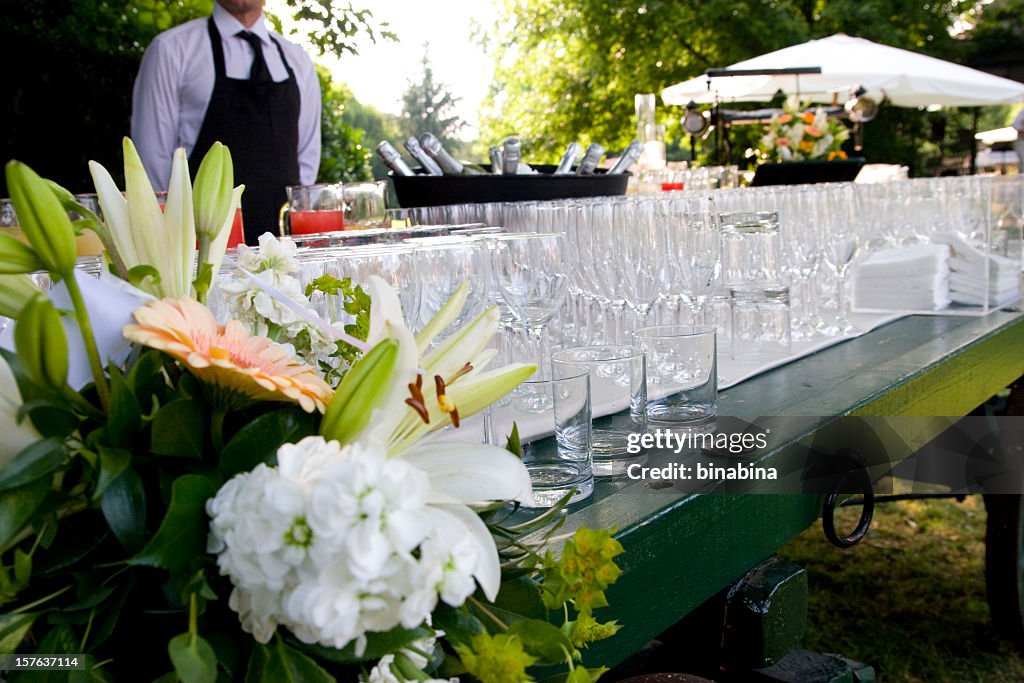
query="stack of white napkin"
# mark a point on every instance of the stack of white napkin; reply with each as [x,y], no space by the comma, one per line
[967,279]
[913,278]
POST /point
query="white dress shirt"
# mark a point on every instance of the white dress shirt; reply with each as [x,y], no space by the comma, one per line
[175,83]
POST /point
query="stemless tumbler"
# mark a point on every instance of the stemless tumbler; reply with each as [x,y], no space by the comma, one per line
[682,374]
[558,465]
[618,394]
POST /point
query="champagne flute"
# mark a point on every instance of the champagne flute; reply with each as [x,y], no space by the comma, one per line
[840,247]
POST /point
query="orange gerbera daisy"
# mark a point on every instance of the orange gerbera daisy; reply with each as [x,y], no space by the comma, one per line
[236,366]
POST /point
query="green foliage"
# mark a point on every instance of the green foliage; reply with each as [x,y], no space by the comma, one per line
[343,155]
[344,297]
[333,26]
[58,118]
[429,107]
[571,73]
[376,126]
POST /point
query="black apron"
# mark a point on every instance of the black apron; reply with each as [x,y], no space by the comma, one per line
[259,123]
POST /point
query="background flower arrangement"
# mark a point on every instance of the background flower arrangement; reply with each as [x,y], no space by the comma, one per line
[259,510]
[798,134]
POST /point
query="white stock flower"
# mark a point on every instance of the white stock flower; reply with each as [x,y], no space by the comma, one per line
[336,542]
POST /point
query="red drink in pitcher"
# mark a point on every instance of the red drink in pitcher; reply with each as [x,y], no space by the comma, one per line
[311,222]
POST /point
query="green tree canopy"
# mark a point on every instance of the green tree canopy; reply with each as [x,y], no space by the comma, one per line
[570,71]
[429,106]
[70,67]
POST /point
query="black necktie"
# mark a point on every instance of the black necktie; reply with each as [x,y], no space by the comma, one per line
[259,72]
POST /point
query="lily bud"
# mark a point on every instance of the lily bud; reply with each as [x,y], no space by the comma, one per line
[42,218]
[17,257]
[363,389]
[212,191]
[41,343]
[15,292]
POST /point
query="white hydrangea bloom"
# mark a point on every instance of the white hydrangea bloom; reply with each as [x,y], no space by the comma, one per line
[336,542]
[276,265]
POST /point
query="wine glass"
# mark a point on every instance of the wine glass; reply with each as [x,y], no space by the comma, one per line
[529,271]
[696,256]
[841,241]
[640,241]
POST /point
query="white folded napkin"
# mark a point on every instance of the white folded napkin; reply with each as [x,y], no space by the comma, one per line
[914,277]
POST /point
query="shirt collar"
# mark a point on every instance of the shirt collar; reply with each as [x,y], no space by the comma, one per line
[229,26]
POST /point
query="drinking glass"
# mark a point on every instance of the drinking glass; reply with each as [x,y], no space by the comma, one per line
[696,256]
[366,205]
[314,209]
[558,465]
[840,246]
[618,391]
[529,271]
[682,375]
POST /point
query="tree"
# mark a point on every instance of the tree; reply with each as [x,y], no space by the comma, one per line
[71,66]
[343,155]
[429,107]
[570,73]
[376,126]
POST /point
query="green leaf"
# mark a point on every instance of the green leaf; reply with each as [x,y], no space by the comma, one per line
[22,566]
[113,463]
[522,596]
[124,416]
[457,623]
[144,369]
[33,462]
[50,419]
[203,279]
[179,429]
[60,640]
[18,506]
[182,534]
[124,508]
[513,444]
[280,663]
[377,645]
[193,659]
[139,273]
[13,629]
[578,675]
[543,640]
[259,440]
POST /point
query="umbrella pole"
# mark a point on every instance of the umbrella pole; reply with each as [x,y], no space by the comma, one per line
[974,142]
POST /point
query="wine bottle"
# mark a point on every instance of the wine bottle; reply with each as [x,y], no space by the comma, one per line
[392,159]
[572,153]
[628,158]
[448,164]
[511,153]
[428,164]
[494,152]
[590,158]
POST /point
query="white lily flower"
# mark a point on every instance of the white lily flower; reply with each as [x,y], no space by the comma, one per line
[450,384]
[145,234]
[14,435]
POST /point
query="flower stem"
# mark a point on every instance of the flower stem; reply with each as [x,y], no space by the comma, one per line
[40,601]
[217,428]
[91,350]
[480,606]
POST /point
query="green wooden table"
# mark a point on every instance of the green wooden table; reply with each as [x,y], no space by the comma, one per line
[683,548]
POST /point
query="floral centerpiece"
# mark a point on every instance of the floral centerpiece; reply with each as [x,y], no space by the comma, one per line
[265,498]
[799,134]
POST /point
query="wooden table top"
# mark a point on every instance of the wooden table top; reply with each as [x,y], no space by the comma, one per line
[684,547]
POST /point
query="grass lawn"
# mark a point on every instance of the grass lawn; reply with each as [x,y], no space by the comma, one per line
[910,598]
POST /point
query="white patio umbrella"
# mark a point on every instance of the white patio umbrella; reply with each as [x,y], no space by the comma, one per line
[907,79]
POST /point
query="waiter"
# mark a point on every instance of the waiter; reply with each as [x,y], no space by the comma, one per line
[227,78]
